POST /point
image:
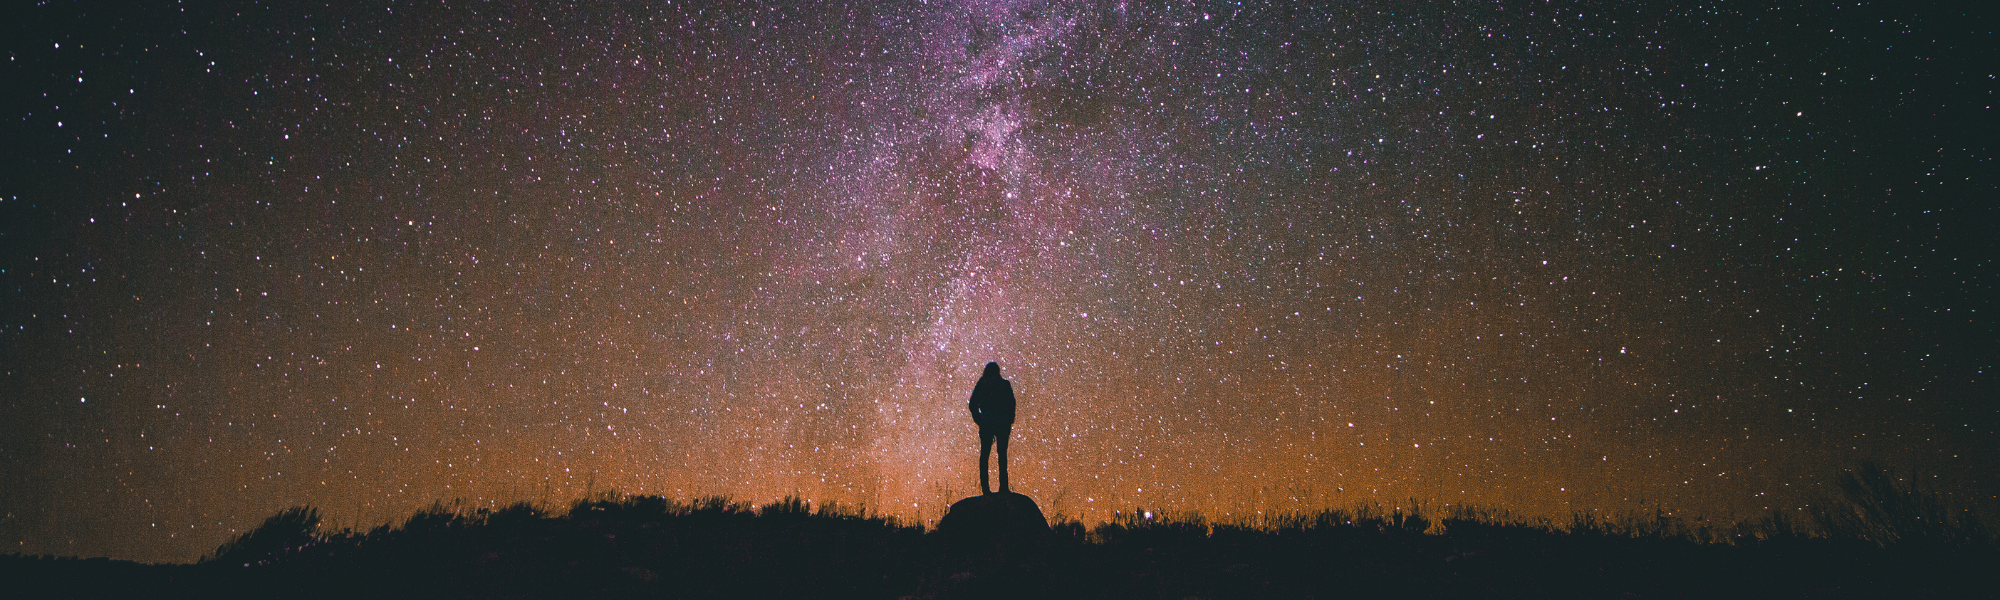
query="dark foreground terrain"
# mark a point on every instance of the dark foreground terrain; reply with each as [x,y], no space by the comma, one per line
[647,546]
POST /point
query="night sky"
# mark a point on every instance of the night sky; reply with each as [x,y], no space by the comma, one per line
[1235,257]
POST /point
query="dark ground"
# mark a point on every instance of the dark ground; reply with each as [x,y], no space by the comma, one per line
[655,547]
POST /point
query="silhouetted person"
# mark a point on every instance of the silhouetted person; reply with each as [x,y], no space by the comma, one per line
[992,407]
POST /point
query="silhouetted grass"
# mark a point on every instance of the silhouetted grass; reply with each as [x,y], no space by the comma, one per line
[1882,508]
[1878,539]
[289,531]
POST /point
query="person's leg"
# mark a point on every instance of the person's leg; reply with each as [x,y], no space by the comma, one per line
[1003,459]
[986,450]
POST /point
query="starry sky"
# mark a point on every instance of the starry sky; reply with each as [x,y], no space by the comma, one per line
[1234,256]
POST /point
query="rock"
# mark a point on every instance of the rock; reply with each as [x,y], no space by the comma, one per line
[994,526]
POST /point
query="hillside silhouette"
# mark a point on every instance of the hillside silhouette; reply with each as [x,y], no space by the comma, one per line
[1883,539]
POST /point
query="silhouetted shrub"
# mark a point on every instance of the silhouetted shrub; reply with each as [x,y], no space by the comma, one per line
[1877,506]
[282,533]
[515,515]
[434,519]
[790,506]
[719,504]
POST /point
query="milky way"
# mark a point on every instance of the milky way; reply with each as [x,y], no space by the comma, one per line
[1235,257]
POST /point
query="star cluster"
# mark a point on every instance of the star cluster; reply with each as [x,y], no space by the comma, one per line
[1234,256]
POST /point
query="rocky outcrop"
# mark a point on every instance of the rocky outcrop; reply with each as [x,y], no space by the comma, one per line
[994,526]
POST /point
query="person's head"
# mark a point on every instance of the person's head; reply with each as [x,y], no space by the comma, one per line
[992,371]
